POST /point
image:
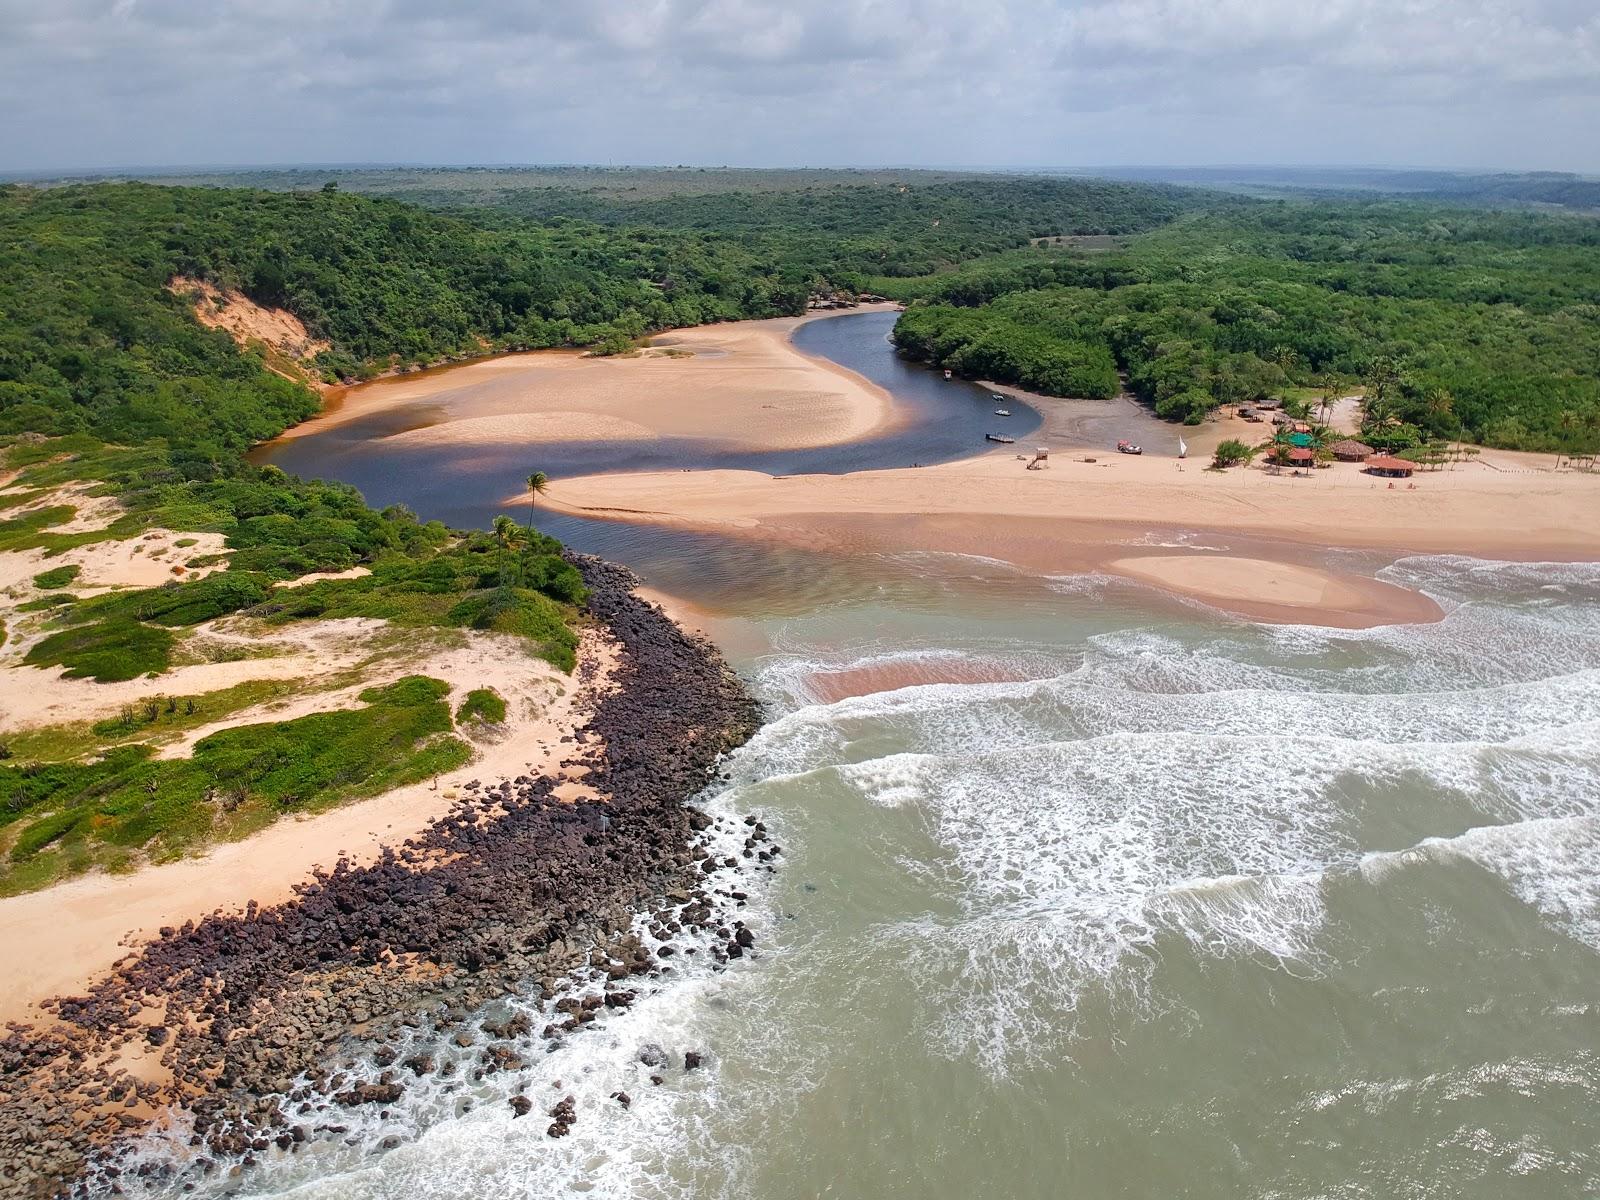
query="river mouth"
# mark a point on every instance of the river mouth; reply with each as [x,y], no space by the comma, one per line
[1088,890]
[466,486]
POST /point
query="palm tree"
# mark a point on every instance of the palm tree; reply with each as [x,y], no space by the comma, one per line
[1327,401]
[1569,421]
[1383,377]
[538,485]
[505,532]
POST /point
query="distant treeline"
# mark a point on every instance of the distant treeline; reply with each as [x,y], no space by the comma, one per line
[1484,325]
[883,228]
[827,224]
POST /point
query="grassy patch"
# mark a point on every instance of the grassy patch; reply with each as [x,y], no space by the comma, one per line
[56,577]
[482,704]
[178,603]
[24,532]
[74,816]
[19,499]
[47,602]
[156,718]
[469,585]
[107,651]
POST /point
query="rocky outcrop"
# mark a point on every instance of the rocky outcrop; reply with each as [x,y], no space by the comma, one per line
[512,889]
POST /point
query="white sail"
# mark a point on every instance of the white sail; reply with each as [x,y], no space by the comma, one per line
[1183,447]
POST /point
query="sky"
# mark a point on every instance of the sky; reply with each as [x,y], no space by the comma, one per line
[1510,84]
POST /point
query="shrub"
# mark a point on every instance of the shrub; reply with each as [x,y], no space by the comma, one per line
[107,651]
[56,577]
[1231,453]
[482,704]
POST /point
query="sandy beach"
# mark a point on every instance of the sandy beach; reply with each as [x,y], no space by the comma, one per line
[1081,514]
[742,384]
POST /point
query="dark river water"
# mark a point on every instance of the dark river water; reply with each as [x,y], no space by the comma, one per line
[465,486]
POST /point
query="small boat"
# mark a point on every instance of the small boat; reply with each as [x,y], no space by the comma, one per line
[997,397]
[1002,412]
[947,374]
[999,437]
[1127,447]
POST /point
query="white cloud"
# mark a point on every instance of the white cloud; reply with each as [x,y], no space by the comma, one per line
[1484,82]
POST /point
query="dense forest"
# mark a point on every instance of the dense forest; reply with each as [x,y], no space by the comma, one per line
[1472,323]
[825,225]
[92,340]
[895,229]
[1459,324]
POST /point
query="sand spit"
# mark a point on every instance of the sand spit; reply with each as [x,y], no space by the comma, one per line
[225,1016]
[741,384]
[1054,519]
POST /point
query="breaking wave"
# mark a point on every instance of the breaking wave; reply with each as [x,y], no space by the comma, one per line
[1176,785]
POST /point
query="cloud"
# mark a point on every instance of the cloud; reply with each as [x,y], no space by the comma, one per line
[1474,82]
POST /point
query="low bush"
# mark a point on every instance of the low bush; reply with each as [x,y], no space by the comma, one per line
[236,781]
[1231,453]
[482,704]
[56,577]
[107,651]
[179,603]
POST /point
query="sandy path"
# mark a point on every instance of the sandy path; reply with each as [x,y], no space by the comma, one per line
[58,938]
[740,383]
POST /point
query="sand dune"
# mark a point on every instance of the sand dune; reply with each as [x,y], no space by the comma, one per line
[77,929]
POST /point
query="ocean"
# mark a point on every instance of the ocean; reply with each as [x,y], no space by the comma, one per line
[1112,897]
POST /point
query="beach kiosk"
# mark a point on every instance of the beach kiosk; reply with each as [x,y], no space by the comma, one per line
[1351,451]
[1388,467]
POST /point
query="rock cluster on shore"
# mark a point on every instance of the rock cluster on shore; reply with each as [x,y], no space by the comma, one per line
[512,891]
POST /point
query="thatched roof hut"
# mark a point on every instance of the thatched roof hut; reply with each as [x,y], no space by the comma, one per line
[1382,464]
[1350,450]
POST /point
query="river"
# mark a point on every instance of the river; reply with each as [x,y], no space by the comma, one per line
[1153,902]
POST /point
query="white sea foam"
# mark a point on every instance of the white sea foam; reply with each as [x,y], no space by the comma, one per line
[455,1135]
[1197,786]
[1551,864]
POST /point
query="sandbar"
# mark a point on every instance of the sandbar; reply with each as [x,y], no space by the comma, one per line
[742,384]
[1082,515]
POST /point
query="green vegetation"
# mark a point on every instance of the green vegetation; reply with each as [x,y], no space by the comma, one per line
[1231,453]
[94,342]
[71,817]
[155,718]
[826,227]
[56,577]
[1460,324]
[479,581]
[106,651]
[1008,341]
[482,704]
